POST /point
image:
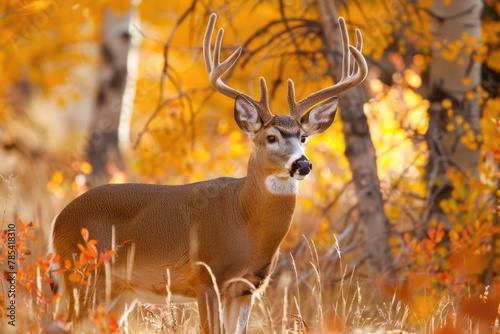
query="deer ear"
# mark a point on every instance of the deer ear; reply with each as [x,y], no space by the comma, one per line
[319,118]
[246,116]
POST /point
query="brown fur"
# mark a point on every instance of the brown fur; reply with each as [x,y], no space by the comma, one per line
[234,226]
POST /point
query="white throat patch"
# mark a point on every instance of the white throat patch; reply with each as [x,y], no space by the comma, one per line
[280,185]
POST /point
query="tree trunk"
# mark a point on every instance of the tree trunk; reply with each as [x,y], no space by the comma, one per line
[111,104]
[453,116]
[360,153]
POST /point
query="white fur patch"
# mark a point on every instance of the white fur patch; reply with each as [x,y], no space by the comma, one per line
[282,185]
[50,249]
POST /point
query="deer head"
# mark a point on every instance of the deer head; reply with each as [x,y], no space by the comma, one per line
[283,136]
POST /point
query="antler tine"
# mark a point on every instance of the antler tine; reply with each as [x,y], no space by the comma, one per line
[206,43]
[215,70]
[344,35]
[359,46]
[292,105]
[348,80]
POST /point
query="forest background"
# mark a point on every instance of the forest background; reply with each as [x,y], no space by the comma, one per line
[397,228]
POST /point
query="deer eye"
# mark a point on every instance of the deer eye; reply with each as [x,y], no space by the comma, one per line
[271,139]
[303,139]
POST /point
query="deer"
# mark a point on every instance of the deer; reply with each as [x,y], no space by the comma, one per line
[215,242]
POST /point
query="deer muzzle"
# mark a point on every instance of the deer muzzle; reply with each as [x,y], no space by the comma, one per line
[301,166]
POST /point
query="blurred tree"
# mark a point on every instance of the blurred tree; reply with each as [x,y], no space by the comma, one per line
[490,73]
[453,135]
[113,99]
[359,151]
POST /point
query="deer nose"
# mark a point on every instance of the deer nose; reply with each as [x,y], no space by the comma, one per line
[302,166]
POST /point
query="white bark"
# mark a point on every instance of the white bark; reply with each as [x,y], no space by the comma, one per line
[132,71]
[115,95]
[452,24]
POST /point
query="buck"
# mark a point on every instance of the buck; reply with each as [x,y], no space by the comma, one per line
[217,241]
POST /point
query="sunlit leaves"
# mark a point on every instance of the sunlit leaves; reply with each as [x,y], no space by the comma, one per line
[32,273]
[103,321]
[87,262]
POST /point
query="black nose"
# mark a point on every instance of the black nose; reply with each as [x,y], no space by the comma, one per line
[303,166]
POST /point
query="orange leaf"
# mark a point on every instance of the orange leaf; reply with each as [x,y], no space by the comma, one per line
[21,224]
[431,232]
[82,249]
[92,242]
[75,277]
[92,250]
[28,285]
[113,324]
[440,232]
[85,234]
[83,259]
[67,264]
[55,298]
[406,239]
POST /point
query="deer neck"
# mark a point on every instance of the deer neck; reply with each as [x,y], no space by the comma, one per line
[268,201]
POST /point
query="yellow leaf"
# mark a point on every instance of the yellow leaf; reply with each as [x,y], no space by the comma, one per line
[86,167]
[470,95]
[412,78]
[57,177]
[446,103]
[493,61]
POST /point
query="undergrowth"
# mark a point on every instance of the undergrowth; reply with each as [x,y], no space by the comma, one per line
[300,299]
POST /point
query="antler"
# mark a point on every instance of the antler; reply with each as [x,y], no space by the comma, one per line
[216,69]
[349,78]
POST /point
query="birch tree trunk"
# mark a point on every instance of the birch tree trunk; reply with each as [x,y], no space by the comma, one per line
[453,131]
[360,153]
[114,98]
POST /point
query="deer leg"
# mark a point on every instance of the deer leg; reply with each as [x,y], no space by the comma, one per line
[208,308]
[237,313]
